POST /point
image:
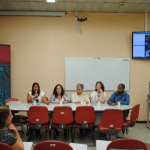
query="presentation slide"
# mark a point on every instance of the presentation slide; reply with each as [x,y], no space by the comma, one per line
[141,45]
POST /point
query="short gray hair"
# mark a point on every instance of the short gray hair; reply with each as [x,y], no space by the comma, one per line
[80,85]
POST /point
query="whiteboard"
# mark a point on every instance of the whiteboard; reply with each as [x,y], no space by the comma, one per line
[111,71]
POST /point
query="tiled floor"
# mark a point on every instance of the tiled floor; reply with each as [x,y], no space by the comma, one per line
[140,132]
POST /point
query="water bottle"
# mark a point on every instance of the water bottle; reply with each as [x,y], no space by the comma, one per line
[93,100]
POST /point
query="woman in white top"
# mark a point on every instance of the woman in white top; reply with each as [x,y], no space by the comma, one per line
[36,93]
[99,92]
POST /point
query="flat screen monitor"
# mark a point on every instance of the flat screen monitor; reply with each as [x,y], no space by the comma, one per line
[141,45]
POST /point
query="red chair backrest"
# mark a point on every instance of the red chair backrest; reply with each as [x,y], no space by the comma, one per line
[52,145]
[11,99]
[38,115]
[127,144]
[4,146]
[62,115]
[135,113]
[112,118]
[85,114]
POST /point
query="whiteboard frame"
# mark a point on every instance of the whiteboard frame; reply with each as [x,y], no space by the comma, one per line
[125,59]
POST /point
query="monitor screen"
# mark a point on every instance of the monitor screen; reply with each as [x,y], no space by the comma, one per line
[141,45]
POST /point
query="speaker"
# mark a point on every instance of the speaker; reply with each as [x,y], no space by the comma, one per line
[5,92]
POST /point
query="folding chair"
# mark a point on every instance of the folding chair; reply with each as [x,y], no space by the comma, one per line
[52,145]
[4,146]
[38,118]
[127,144]
[62,119]
[133,118]
[84,119]
[112,121]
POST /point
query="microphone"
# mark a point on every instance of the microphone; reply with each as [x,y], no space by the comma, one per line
[35,91]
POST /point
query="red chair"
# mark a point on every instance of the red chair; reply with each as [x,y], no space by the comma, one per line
[13,112]
[112,121]
[127,144]
[84,119]
[62,118]
[133,118]
[52,145]
[38,118]
[4,146]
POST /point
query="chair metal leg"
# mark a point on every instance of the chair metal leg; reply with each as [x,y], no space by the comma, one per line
[93,138]
[53,134]
[98,134]
[73,135]
[24,132]
[127,130]
[116,136]
[29,134]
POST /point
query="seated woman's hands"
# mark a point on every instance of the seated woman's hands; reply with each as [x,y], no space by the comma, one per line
[12,129]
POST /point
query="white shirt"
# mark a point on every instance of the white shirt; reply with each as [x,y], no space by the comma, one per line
[75,97]
[98,96]
[39,97]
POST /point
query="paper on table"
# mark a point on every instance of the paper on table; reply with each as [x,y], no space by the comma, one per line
[77,146]
[101,144]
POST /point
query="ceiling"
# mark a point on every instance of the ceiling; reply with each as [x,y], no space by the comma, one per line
[102,6]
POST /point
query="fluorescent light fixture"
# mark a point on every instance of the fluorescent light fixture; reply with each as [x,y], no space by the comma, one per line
[51,1]
[31,13]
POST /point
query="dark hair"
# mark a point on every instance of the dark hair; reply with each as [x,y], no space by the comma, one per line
[4,113]
[123,86]
[35,83]
[62,90]
[102,85]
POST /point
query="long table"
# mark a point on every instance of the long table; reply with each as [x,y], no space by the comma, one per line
[24,107]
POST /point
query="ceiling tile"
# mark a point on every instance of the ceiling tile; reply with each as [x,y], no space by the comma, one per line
[106,5]
[96,8]
[24,5]
[114,7]
[51,6]
[79,6]
[147,1]
[15,6]
[6,5]
[60,6]
[43,5]
[80,0]
[69,6]
[34,5]
[88,7]
[2,7]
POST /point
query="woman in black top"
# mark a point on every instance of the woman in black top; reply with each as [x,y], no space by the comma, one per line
[11,137]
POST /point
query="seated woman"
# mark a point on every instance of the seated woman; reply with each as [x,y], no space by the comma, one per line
[11,137]
[99,92]
[36,93]
[59,95]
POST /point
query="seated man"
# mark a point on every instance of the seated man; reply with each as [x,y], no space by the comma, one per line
[120,96]
[79,96]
